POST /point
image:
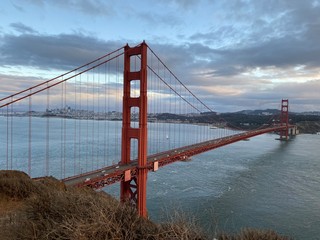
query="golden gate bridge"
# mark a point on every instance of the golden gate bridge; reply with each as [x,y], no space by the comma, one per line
[68,126]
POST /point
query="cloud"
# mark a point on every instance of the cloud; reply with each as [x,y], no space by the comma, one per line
[179,4]
[63,51]
[89,7]
[234,92]
[281,52]
[302,97]
[86,94]
[21,28]
[232,79]
[285,34]
[251,53]
[156,20]
[12,84]
[18,7]
[280,34]
[186,4]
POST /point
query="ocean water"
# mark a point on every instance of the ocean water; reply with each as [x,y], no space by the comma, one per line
[262,183]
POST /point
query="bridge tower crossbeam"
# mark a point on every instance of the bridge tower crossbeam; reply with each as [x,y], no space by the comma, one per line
[133,188]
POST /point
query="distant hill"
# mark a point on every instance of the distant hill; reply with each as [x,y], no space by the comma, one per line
[314,113]
[275,112]
[246,119]
[260,112]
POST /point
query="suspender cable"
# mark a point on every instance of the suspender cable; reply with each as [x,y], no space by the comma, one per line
[30,134]
[80,124]
[47,134]
[7,148]
[92,121]
[65,130]
[207,107]
[63,75]
[87,129]
[75,110]
[98,121]
[61,133]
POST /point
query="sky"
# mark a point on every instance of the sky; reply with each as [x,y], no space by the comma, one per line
[233,54]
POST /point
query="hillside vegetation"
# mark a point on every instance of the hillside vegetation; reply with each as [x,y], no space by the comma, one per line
[46,209]
[247,120]
[310,127]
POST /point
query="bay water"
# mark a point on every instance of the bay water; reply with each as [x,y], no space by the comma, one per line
[262,183]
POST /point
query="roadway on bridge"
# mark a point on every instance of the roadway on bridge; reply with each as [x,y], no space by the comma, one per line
[115,173]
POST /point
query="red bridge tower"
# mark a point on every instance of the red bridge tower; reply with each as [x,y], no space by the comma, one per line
[133,188]
[284,119]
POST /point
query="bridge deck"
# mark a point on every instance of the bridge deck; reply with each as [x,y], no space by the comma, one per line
[115,173]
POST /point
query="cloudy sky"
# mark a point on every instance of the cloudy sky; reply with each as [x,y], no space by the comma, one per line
[234,54]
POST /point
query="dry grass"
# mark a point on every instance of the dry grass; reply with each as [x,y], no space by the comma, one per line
[46,209]
[52,211]
[16,185]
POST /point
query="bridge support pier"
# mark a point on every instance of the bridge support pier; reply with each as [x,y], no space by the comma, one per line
[134,189]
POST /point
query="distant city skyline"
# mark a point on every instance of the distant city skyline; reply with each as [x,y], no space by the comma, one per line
[235,55]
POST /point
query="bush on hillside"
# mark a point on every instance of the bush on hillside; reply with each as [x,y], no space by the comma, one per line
[16,185]
[52,211]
